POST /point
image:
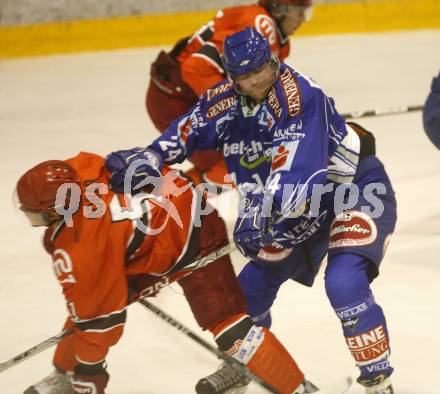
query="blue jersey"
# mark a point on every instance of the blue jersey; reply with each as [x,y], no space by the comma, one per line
[295,136]
[431,113]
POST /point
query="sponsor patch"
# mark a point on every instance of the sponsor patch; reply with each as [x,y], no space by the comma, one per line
[211,93]
[290,133]
[273,253]
[220,107]
[352,228]
[283,156]
[280,157]
[350,323]
[356,310]
[291,91]
[379,367]
[234,348]
[274,103]
[369,345]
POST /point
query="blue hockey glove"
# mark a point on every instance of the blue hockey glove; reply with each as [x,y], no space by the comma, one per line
[254,234]
[133,169]
[249,227]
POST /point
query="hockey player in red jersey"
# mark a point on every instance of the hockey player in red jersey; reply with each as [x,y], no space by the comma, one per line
[194,65]
[101,250]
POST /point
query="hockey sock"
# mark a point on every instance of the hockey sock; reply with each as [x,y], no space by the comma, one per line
[363,321]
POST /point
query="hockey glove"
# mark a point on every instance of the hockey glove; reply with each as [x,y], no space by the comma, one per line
[255,234]
[90,379]
[133,169]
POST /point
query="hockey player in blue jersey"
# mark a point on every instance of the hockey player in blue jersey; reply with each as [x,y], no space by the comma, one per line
[431,113]
[311,186]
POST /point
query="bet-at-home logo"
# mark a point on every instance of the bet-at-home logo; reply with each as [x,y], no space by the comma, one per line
[252,155]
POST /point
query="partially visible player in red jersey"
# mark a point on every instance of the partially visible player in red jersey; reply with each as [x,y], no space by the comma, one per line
[103,250]
[194,65]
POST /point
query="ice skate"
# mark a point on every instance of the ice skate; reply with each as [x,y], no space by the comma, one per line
[56,383]
[228,380]
[225,380]
[379,385]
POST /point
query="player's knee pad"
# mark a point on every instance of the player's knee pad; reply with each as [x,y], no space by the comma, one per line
[214,293]
[260,286]
[241,339]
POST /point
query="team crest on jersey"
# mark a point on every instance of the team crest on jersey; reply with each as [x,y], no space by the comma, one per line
[274,103]
[291,92]
[211,93]
[352,228]
[220,107]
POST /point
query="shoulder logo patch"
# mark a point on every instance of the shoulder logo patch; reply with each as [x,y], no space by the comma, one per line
[274,103]
[291,92]
[221,106]
[211,93]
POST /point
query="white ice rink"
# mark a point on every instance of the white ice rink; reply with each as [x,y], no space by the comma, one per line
[53,107]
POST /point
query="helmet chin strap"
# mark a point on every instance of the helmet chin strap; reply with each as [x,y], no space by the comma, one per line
[41,218]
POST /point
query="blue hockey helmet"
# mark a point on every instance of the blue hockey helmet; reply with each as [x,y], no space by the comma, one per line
[244,52]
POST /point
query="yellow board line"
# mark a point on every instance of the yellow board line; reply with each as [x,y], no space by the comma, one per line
[165,29]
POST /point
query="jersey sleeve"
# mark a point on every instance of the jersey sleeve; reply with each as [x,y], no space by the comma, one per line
[95,292]
[203,69]
[199,129]
[301,150]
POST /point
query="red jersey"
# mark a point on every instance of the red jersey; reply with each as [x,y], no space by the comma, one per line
[107,242]
[201,65]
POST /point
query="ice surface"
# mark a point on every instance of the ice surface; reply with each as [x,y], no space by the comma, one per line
[53,107]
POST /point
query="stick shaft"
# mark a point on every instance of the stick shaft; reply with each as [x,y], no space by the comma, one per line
[35,349]
[382,112]
[188,332]
[161,282]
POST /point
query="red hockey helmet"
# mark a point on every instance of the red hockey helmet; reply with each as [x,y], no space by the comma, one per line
[298,3]
[37,189]
[278,8]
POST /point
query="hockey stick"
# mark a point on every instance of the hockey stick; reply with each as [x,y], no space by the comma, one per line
[191,334]
[162,281]
[382,112]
